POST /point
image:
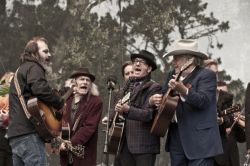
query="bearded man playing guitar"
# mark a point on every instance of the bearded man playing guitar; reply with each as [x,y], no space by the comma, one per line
[83,113]
[193,135]
[27,146]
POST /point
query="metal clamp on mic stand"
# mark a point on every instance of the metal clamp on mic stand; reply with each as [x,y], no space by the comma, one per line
[111,81]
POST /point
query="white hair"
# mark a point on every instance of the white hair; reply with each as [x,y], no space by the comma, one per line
[94,90]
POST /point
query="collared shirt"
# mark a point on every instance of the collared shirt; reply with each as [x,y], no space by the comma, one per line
[181,97]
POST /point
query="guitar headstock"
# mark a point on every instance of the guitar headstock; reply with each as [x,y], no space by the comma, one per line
[77,150]
[125,98]
[184,67]
[187,64]
[230,110]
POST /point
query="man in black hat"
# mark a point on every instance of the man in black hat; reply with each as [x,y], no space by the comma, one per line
[83,113]
[193,136]
[139,147]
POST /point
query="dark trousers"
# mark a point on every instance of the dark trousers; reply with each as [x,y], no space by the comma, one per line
[177,155]
[129,159]
[117,161]
[5,150]
[5,159]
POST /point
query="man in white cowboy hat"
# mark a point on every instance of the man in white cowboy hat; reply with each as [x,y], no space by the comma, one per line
[193,137]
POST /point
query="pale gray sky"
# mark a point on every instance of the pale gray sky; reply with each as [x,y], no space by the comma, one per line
[236,42]
[234,54]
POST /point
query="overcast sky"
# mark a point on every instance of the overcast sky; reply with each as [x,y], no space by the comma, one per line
[235,52]
[236,42]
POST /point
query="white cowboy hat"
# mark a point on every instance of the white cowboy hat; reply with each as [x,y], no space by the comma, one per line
[186,47]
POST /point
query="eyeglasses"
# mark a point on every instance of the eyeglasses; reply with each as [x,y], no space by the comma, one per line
[140,61]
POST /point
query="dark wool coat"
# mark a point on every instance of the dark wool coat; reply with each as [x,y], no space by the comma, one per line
[139,120]
[86,133]
[32,82]
[195,131]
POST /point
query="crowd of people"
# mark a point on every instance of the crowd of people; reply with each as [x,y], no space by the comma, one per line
[204,125]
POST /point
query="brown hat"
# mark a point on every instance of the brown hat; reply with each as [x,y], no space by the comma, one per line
[83,71]
[148,56]
[188,47]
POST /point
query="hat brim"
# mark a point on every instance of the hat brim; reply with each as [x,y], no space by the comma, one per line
[186,52]
[74,75]
[149,61]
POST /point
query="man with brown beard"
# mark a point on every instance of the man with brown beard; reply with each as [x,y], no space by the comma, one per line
[27,147]
[83,113]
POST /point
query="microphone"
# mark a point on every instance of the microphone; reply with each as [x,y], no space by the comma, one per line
[111,81]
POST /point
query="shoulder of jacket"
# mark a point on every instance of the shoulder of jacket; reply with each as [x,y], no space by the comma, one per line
[32,64]
[97,99]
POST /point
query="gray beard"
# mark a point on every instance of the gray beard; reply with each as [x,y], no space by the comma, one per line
[47,66]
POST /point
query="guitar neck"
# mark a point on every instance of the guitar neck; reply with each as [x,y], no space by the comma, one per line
[230,110]
[77,150]
[68,94]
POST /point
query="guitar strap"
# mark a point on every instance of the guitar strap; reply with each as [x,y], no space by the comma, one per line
[191,75]
[20,96]
[76,122]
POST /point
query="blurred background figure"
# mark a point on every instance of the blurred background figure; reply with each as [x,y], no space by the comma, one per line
[5,150]
[211,64]
[231,128]
[247,114]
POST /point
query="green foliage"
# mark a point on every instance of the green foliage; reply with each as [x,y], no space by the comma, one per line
[4,90]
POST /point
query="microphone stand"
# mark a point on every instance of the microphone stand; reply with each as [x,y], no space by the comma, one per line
[110,89]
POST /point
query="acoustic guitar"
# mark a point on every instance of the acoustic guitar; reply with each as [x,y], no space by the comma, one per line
[77,150]
[167,107]
[46,119]
[116,130]
[53,147]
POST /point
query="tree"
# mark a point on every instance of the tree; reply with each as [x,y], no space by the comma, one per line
[155,22]
[79,37]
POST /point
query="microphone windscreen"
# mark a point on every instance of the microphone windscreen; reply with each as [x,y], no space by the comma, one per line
[112,78]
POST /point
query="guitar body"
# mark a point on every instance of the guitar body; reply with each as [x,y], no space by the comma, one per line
[43,117]
[116,130]
[53,146]
[164,116]
[115,135]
